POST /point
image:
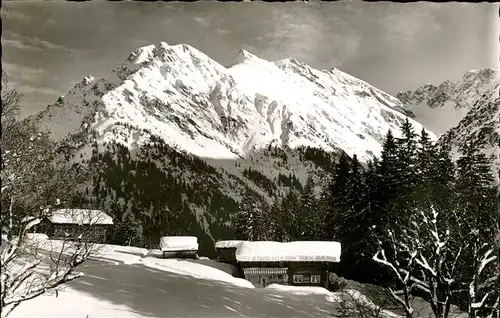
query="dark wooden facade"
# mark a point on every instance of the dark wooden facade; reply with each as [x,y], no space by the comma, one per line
[181,254]
[96,233]
[262,274]
[227,255]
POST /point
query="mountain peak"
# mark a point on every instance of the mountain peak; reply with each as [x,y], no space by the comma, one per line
[481,75]
[245,56]
[441,107]
[142,54]
[195,104]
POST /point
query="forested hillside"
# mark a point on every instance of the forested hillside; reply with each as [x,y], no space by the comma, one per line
[412,211]
[157,190]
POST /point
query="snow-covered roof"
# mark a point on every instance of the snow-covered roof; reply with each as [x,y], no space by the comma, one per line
[299,251]
[80,216]
[228,244]
[178,243]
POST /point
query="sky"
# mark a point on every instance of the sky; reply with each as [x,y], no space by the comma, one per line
[48,47]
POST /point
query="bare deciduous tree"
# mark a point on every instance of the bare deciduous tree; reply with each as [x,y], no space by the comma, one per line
[31,267]
[369,304]
[401,265]
[32,179]
[482,287]
[425,257]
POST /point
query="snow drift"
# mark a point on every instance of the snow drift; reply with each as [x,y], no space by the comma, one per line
[228,244]
[179,243]
[299,251]
[80,216]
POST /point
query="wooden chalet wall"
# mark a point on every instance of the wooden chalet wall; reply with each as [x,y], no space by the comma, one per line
[262,274]
[90,233]
[309,273]
[180,254]
[96,233]
[227,255]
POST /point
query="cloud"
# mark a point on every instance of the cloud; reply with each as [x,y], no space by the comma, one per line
[311,37]
[31,90]
[405,26]
[202,21]
[27,74]
[24,72]
[11,14]
[222,31]
[13,39]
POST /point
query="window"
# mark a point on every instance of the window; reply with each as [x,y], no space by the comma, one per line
[298,278]
[315,279]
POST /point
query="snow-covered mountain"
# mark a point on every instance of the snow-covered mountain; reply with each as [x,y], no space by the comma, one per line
[442,107]
[480,126]
[198,105]
[175,139]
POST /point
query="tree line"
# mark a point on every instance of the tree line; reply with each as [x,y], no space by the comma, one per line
[412,219]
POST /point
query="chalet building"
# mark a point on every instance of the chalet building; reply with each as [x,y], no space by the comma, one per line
[74,224]
[301,263]
[226,251]
[179,246]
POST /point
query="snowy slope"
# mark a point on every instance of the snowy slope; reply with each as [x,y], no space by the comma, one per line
[442,107]
[212,111]
[130,282]
[481,125]
[127,283]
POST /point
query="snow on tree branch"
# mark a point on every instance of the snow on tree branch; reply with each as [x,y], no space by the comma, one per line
[402,275]
[425,257]
[26,273]
[32,178]
[485,260]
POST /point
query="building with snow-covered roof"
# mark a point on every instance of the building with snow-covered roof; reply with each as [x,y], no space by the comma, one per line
[179,246]
[299,263]
[226,251]
[72,224]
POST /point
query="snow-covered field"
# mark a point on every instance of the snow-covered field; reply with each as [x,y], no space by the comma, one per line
[71,303]
[132,282]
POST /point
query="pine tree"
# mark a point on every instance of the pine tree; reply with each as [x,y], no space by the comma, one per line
[250,224]
[478,210]
[388,167]
[387,183]
[474,183]
[407,173]
[307,218]
[240,223]
[372,205]
[426,163]
[442,178]
[125,231]
[352,227]
[336,195]
[285,225]
[274,222]
[355,185]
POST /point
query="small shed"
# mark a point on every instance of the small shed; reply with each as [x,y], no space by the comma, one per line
[300,263]
[226,251]
[179,246]
[72,224]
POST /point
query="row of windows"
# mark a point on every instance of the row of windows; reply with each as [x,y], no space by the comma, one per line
[264,281]
[315,279]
